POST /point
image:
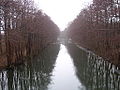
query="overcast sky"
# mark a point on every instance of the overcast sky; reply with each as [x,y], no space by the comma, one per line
[62,11]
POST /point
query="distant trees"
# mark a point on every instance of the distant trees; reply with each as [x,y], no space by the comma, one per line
[97,28]
[24,30]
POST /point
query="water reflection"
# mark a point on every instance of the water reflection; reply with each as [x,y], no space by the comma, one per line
[34,75]
[93,71]
[64,77]
[89,72]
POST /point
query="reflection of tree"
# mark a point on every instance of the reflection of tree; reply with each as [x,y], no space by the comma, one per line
[34,75]
[93,71]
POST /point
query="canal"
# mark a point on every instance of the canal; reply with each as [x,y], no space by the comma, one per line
[61,67]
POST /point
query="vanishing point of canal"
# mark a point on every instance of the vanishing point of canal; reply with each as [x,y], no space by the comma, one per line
[61,67]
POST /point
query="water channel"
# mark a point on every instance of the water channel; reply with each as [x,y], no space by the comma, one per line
[61,67]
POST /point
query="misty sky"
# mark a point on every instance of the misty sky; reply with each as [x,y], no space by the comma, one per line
[62,11]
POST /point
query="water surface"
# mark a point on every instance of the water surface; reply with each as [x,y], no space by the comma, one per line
[64,76]
[61,67]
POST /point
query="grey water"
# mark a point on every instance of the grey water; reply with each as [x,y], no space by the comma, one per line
[62,67]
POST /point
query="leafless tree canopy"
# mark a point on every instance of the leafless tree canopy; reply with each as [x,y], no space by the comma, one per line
[25,30]
[97,27]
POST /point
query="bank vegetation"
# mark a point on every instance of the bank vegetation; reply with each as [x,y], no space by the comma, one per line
[97,28]
[24,31]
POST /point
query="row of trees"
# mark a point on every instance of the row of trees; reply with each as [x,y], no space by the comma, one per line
[25,30]
[102,14]
[97,28]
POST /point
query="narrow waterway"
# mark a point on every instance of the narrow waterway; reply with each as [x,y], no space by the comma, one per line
[61,67]
[64,76]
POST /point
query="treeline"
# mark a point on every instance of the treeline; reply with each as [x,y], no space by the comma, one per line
[97,28]
[25,30]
